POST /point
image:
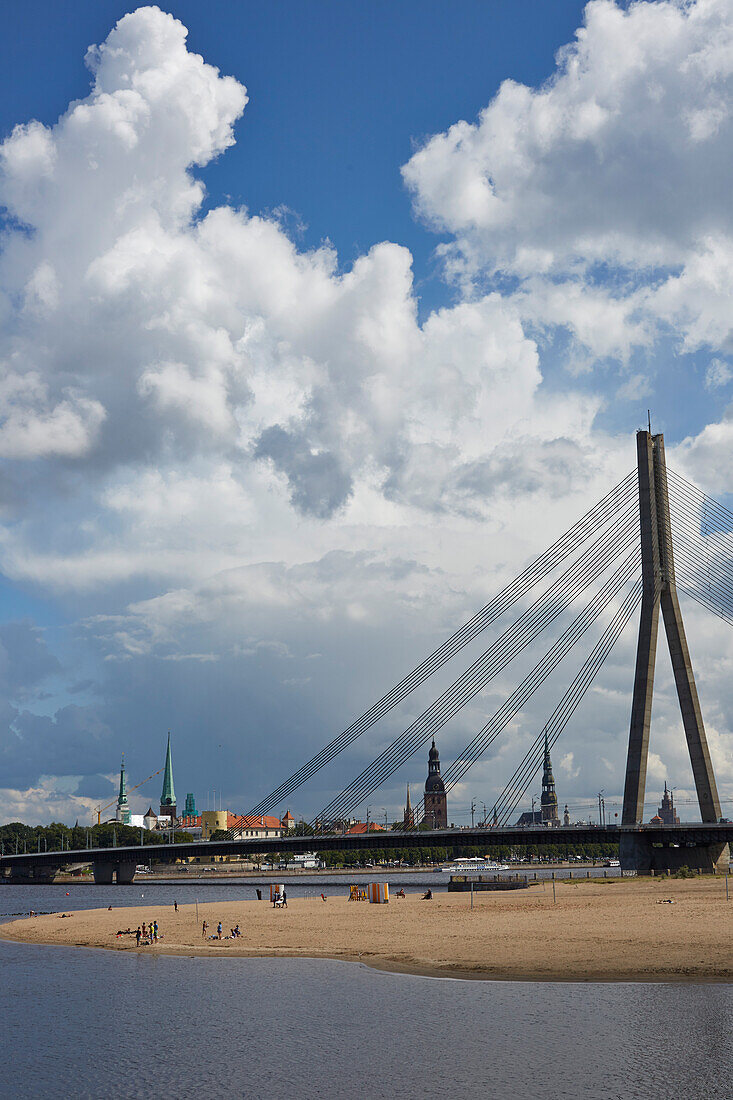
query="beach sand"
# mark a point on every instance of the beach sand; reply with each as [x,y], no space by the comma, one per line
[612,930]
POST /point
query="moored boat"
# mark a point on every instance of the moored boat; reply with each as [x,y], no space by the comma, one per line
[473,865]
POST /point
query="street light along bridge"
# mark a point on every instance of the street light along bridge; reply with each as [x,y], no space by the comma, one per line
[627,539]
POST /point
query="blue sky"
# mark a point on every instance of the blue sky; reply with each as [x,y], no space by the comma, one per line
[339,94]
[437,276]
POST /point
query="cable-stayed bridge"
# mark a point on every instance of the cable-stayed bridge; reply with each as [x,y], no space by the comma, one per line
[652,535]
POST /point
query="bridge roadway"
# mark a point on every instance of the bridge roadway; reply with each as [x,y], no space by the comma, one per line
[680,844]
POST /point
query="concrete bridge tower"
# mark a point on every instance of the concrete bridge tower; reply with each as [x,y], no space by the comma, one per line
[659,591]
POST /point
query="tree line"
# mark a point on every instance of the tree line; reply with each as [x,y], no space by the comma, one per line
[499,852]
[57,837]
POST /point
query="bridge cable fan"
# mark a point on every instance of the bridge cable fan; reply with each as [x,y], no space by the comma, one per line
[605,511]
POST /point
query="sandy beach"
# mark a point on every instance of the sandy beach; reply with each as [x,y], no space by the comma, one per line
[613,930]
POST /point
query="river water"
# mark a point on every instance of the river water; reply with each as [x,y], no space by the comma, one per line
[84,1023]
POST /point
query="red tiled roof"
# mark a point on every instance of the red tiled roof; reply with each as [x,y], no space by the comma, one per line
[244,821]
[361,827]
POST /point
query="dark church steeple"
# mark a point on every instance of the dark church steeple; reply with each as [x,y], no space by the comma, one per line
[548,799]
[436,803]
[408,819]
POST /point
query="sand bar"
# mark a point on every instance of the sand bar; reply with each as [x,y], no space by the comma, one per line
[622,930]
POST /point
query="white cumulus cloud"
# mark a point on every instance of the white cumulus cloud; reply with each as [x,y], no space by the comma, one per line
[223,448]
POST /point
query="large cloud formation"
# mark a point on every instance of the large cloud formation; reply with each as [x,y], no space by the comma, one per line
[230,430]
[620,161]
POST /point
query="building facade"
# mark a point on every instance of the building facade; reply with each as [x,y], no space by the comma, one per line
[247,826]
[436,801]
[666,812]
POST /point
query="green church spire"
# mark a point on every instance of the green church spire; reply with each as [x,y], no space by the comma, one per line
[123,809]
[168,794]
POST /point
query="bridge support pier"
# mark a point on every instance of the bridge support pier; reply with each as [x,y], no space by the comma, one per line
[638,853]
[108,871]
[29,875]
[103,872]
[125,873]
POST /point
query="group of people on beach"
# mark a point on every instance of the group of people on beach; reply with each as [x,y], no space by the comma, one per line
[147,934]
[234,933]
[280,900]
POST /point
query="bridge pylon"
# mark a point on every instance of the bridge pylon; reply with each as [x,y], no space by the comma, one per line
[659,591]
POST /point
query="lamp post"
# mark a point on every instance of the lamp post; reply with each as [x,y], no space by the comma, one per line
[600,806]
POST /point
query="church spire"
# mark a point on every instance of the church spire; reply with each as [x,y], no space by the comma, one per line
[436,806]
[548,799]
[408,819]
[123,809]
[168,794]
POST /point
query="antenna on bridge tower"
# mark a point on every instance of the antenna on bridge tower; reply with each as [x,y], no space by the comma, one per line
[660,590]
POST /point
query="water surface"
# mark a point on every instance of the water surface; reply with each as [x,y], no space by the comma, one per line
[85,1023]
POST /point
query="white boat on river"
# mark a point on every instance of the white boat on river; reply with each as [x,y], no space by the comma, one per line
[473,865]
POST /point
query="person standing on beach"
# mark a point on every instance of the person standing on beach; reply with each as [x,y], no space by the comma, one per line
[145,931]
[285,899]
[175,906]
[204,927]
[218,930]
[155,931]
[137,935]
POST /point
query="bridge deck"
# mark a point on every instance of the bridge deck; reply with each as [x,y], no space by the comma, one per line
[695,833]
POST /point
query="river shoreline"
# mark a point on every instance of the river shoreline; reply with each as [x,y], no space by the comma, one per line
[595,931]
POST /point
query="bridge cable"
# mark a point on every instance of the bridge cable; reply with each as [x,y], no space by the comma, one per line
[518,786]
[455,772]
[520,635]
[601,513]
[542,670]
[575,580]
[716,509]
[709,577]
[525,772]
